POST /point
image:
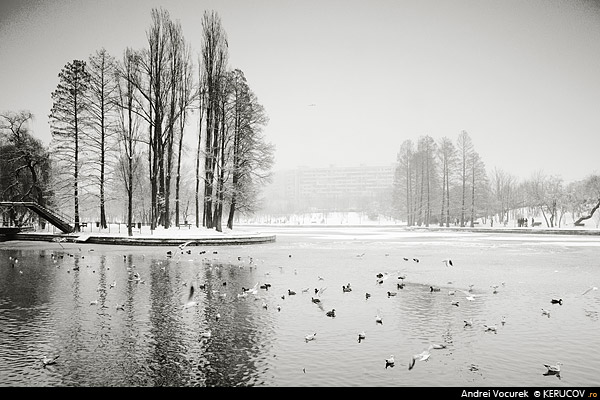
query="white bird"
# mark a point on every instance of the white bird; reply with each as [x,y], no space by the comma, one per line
[589,290]
[184,245]
[468,295]
[93,302]
[469,322]
[310,337]
[120,307]
[114,284]
[422,356]
[205,335]
[546,312]
[448,262]
[253,290]
[378,319]
[553,368]
[491,328]
[49,360]
[390,362]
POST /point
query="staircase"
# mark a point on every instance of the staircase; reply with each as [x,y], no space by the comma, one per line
[57,219]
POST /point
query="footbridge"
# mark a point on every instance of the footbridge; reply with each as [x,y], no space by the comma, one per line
[57,219]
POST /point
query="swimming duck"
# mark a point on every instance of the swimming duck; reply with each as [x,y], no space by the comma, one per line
[310,337]
[331,313]
[390,362]
[49,360]
[361,336]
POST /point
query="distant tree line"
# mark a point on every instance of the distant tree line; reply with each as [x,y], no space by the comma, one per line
[446,183]
[118,131]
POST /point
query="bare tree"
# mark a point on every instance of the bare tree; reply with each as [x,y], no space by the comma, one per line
[465,150]
[129,134]
[589,190]
[404,175]
[100,138]
[252,156]
[68,117]
[447,157]
[214,61]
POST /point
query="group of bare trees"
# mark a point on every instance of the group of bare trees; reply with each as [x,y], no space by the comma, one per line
[440,182]
[126,119]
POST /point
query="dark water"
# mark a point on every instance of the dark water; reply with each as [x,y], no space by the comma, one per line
[46,293]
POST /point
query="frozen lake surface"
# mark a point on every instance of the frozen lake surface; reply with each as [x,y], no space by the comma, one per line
[48,295]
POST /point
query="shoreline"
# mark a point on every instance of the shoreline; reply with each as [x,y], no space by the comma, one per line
[248,234]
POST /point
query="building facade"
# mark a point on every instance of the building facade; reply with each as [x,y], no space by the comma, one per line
[329,189]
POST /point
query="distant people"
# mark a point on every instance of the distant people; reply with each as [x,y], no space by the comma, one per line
[532,222]
[526,222]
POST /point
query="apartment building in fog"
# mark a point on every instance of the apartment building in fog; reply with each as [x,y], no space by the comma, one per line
[329,189]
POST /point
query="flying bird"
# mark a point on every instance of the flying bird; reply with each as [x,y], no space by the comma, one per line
[184,245]
[423,356]
[448,262]
[491,328]
[589,290]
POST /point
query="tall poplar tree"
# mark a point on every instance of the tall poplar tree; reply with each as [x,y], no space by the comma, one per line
[102,107]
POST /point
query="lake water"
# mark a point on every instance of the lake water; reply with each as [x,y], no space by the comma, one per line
[47,290]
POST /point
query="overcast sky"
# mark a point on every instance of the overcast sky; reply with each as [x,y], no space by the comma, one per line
[346,82]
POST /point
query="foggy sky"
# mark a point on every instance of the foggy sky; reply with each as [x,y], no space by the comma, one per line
[346,82]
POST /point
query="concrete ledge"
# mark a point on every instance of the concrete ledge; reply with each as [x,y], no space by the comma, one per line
[146,241]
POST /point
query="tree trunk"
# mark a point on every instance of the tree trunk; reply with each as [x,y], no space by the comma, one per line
[589,215]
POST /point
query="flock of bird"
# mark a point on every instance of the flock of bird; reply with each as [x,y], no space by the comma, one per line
[191,301]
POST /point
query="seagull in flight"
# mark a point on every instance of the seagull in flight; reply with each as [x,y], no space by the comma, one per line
[423,356]
[184,245]
[589,290]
